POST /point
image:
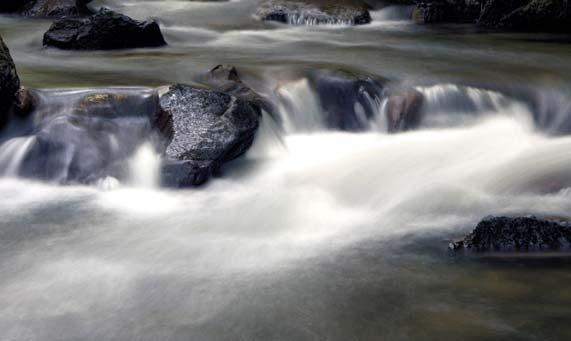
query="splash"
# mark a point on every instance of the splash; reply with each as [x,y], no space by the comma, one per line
[12,153]
[144,167]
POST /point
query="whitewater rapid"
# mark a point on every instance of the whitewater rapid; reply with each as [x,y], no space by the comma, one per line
[90,253]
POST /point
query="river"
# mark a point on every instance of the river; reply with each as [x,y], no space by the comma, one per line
[314,234]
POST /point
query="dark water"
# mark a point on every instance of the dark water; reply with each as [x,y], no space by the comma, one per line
[315,235]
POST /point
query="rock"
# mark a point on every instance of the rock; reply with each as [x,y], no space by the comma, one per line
[527,15]
[204,129]
[453,11]
[493,11]
[315,12]
[516,234]
[225,78]
[9,83]
[429,13]
[348,100]
[8,6]
[539,15]
[80,136]
[403,110]
[103,30]
[24,102]
[57,8]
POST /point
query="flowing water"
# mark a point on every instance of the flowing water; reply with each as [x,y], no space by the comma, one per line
[315,234]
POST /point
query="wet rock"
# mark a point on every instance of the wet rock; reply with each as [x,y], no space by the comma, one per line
[24,102]
[540,15]
[314,12]
[440,11]
[348,100]
[428,13]
[403,110]
[493,11]
[517,234]
[57,8]
[103,30]
[10,6]
[186,173]
[80,136]
[9,83]
[225,78]
[527,15]
[204,129]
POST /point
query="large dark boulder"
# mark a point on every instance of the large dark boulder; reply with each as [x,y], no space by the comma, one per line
[517,234]
[104,30]
[315,12]
[9,83]
[348,100]
[80,136]
[204,129]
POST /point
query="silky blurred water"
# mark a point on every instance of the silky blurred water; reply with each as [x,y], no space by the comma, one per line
[314,234]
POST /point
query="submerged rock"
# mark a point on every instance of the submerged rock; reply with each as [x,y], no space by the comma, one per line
[103,30]
[516,234]
[348,100]
[9,83]
[204,129]
[315,12]
[403,110]
[80,136]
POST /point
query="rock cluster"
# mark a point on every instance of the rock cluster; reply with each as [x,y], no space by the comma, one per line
[517,15]
[315,12]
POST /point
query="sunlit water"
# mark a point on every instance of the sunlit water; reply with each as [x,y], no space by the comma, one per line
[315,234]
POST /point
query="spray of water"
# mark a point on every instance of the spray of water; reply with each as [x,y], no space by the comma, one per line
[144,167]
[12,153]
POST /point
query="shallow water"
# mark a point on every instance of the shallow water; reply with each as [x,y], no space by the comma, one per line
[315,234]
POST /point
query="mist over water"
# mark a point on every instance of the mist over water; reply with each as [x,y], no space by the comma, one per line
[316,233]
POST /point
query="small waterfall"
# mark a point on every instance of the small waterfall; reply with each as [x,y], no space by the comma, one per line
[551,109]
[329,101]
[12,153]
[144,167]
[447,105]
[310,20]
[299,107]
[393,13]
